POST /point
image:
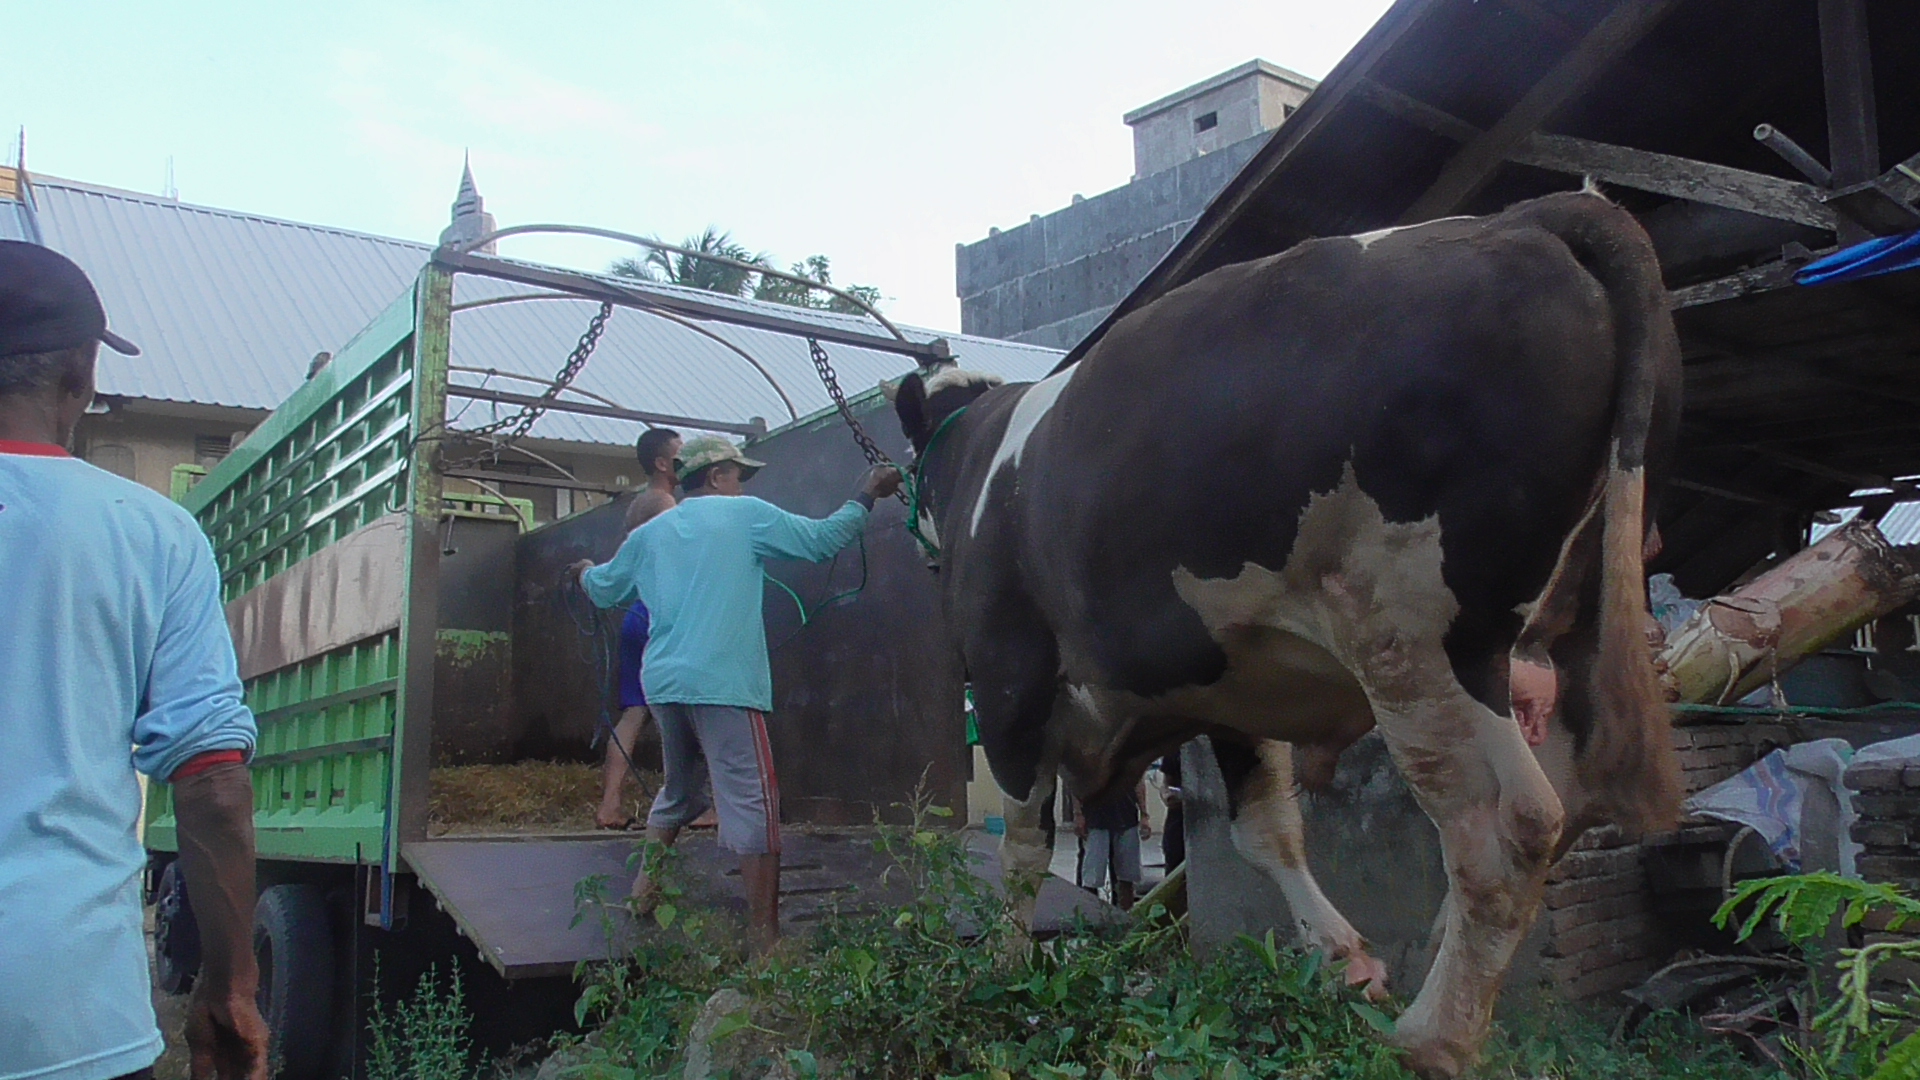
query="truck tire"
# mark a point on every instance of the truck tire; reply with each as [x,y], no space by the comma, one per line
[176,936]
[293,943]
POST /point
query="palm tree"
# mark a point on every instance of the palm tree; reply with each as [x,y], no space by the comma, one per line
[694,272]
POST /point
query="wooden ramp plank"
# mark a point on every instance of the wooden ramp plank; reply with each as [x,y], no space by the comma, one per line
[515,897]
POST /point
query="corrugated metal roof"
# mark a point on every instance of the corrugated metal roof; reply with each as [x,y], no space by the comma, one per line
[1900,526]
[13,221]
[229,309]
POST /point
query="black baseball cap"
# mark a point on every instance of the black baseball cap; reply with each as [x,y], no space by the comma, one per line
[47,304]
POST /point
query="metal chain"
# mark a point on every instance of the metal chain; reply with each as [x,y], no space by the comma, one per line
[831,380]
[522,422]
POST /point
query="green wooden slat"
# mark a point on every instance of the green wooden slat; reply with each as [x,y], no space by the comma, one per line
[388,329]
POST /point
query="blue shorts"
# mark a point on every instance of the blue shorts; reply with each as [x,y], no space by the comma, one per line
[633,646]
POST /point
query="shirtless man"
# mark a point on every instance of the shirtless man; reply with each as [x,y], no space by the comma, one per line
[659,451]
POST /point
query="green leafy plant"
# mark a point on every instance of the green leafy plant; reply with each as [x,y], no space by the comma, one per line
[424,1036]
[1860,1032]
[947,984]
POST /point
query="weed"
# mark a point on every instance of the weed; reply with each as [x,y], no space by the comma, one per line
[946,985]
[423,1037]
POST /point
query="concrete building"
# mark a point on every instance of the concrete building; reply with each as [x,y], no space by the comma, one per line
[233,311]
[1053,279]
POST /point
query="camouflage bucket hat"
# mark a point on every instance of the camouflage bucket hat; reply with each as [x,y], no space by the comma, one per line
[697,454]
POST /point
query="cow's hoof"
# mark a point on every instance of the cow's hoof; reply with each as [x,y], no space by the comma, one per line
[1369,974]
[1431,1058]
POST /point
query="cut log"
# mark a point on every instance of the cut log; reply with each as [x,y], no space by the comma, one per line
[1740,642]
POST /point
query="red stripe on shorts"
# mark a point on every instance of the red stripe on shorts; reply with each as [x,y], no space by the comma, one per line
[769,781]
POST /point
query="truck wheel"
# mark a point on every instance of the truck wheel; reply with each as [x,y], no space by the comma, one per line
[176,937]
[293,943]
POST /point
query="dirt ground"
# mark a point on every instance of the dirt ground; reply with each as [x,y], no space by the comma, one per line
[171,1011]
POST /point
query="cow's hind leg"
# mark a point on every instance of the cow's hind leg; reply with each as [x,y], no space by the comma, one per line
[1499,820]
[1267,831]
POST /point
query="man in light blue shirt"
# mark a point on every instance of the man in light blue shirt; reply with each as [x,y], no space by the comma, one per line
[115,659]
[698,567]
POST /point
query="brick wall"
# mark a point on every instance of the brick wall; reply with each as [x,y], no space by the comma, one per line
[1604,931]
[1887,799]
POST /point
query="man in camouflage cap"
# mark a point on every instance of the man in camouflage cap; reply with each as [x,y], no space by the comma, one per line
[698,568]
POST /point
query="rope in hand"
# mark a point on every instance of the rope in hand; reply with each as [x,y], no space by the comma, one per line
[600,649]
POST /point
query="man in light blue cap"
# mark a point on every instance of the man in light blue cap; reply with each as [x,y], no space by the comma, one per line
[698,568]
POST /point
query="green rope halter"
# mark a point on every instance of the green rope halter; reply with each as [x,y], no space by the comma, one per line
[914,484]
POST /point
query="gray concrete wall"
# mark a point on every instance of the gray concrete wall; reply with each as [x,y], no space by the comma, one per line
[1050,281]
[1372,848]
[1169,133]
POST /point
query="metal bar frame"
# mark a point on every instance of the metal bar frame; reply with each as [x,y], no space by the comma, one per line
[649,242]
[589,287]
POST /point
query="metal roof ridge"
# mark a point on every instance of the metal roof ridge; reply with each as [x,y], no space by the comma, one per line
[41,180]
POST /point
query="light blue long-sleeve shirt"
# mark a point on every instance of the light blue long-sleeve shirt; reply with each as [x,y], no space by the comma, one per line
[115,656]
[698,567]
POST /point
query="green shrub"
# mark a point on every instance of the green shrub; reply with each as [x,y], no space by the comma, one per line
[1861,1033]
[948,986]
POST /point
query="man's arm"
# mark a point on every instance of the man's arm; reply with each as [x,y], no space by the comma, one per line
[196,734]
[615,582]
[226,1036]
[780,535]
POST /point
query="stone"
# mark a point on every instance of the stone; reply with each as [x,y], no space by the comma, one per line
[1903,805]
[1881,834]
[700,1063]
[1874,776]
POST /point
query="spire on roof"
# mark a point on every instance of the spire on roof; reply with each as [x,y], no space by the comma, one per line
[470,218]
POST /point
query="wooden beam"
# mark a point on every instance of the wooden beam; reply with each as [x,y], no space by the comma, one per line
[1682,178]
[1853,134]
[1757,279]
[1642,170]
[1724,493]
[1476,163]
[1846,65]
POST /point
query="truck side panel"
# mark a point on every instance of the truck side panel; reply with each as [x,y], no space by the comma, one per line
[333,460]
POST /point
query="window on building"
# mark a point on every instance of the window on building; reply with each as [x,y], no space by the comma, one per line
[209,449]
[1206,121]
[1286,111]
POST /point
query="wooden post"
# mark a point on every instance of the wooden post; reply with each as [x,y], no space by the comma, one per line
[1740,642]
[1853,124]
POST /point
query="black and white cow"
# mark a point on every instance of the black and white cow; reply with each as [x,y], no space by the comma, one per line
[1395,480]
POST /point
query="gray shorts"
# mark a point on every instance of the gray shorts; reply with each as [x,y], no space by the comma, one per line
[1108,849]
[731,744]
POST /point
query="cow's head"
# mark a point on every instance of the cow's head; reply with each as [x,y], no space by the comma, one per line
[925,398]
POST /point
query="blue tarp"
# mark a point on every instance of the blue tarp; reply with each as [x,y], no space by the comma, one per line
[1882,255]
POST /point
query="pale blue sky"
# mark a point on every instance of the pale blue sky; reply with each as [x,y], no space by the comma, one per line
[877,133]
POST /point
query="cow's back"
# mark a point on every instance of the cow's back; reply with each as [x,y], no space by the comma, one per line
[1463,373]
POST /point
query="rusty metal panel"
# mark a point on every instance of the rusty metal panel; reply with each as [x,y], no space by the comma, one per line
[347,591]
[867,696]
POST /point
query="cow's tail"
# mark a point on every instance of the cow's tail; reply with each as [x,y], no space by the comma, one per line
[1627,763]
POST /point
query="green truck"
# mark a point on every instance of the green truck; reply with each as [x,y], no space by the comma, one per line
[353,605]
